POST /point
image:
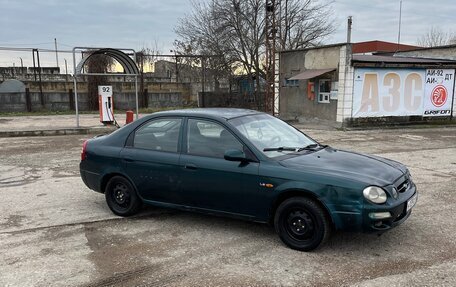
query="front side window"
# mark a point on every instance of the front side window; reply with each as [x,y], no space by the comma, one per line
[206,138]
[268,132]
[159,135]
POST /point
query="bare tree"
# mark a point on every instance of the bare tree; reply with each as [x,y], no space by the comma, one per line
[235,30]
[97,64]
[145,57]
[435,36]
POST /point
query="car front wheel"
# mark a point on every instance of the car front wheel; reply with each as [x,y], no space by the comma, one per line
[121,197]
[302,224]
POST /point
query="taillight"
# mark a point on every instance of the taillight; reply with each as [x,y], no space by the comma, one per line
[83,152]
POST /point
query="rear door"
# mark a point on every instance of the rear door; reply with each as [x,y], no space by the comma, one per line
[153,157]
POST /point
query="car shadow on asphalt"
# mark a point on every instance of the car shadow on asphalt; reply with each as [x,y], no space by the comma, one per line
[340,241]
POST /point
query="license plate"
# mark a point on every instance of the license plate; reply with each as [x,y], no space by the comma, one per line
[411,202]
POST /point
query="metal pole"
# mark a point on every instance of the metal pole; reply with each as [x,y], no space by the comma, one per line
[400,20]
[136,92]
[34,68]
[66,74]
[39,77]
[22,66]
[75,89]
[177,69]
[203,82]
[66,70]
[56,53]
[349,29]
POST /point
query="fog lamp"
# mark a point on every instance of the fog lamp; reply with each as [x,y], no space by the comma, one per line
[379,215]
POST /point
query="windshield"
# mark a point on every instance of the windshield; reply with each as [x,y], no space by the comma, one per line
[270,135]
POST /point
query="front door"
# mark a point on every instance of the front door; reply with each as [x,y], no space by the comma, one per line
[208,180]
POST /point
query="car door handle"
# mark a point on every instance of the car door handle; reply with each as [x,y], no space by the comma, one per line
[190,166]
[128,159]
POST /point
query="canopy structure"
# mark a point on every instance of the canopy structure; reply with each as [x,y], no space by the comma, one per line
[310,74]
[127,62]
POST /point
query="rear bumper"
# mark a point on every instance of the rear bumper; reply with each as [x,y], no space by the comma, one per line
[91,180]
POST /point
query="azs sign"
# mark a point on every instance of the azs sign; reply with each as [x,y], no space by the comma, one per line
[402,92]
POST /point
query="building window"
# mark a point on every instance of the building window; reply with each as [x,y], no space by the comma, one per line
[291,83]
[324,90]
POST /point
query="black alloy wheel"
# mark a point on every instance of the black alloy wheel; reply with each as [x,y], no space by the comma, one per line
[121,197]
[302,224]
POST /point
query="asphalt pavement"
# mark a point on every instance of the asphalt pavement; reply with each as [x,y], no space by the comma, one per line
[54,231]
[50,125]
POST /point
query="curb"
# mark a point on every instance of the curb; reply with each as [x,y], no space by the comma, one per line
[56,132]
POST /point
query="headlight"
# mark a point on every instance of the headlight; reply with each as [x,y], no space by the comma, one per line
[375,194]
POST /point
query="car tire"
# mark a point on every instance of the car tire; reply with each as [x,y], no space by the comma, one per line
[121,197]
[302,224]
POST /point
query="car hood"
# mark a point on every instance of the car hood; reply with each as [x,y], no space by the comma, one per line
[372,170]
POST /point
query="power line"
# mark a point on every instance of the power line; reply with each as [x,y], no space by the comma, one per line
[30,44]
[20,49]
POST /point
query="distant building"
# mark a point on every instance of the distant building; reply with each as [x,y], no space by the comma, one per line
[12,71]
[368,81]
[374,47]
[44,70]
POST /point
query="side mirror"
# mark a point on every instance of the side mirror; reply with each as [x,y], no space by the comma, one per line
[235,155]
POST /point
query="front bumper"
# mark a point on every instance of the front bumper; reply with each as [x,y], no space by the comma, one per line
[397,209]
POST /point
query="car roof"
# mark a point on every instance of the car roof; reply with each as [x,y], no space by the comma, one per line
[225,113]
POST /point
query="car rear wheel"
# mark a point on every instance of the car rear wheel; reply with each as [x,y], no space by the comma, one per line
[302,224]
[121,197]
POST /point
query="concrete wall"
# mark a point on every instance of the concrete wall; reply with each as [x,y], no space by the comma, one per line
[56,96]
[12,102]
[294,101]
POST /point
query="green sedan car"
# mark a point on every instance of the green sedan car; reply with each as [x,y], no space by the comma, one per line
[249,165]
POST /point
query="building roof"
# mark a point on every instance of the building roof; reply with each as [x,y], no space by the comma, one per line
[375,46]
[431,48]
[311,73]
[380,47]
[398,59]
[314,47]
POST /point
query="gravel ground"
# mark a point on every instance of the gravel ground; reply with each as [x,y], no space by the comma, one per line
[55,231]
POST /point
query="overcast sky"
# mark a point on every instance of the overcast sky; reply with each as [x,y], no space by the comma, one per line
[139,23]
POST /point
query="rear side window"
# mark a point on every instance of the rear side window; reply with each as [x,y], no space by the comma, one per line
[159,135]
